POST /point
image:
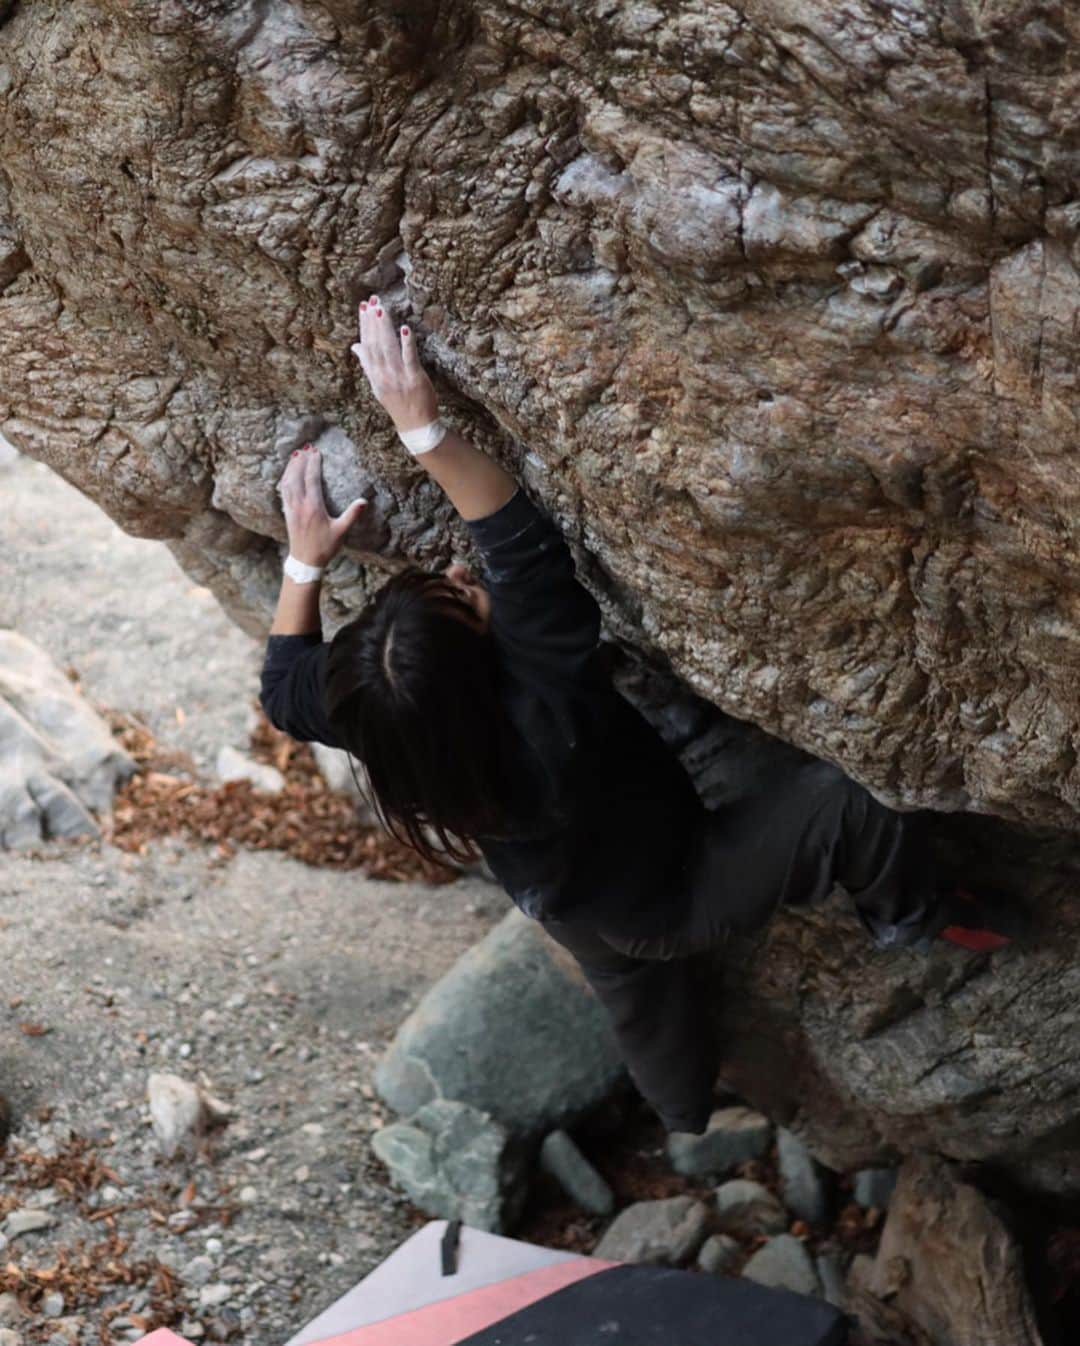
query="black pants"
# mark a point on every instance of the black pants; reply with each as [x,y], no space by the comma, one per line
[790,843]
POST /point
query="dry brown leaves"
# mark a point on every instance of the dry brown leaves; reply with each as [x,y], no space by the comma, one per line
[83,1274]
[73,1172]
[306,820]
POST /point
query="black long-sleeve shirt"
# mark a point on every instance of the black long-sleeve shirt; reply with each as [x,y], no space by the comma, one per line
[609,869]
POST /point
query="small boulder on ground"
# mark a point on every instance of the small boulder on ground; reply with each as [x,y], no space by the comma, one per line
[11,1312]
[719,1255]
[733,1136]
[875,1186]
[512,1030]
[59,762]
[456,1162]
[662,1232]
[336,771]
[26,1221]
[181,1113]
[748,1208]
[562,1159]
[784,1264]
[232,765]
[802,1179]
[831,1272]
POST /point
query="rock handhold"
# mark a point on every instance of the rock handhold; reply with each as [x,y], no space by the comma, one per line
[456,1162]
[182,1113]
[784,1264]
[733,1136]
[749,1208]
[803,1180]
[665,1232]
[560,1157]
[511,1030]
[59,763]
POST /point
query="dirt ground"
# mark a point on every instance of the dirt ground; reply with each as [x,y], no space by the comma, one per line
[275,983]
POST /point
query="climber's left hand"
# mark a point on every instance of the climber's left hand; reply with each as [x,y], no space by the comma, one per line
[314,537]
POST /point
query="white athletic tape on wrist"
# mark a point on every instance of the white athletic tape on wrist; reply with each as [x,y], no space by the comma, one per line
[424,438]
[300,572]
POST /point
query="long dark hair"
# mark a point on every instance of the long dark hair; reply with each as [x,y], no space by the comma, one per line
[412,690]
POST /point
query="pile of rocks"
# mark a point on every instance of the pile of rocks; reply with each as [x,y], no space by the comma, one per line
[508,1049]
[500,1060]
[743,1226]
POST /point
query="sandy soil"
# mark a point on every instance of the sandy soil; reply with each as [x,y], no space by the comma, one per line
[276,983]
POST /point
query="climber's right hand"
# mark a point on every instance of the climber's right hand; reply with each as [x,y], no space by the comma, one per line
[389,358]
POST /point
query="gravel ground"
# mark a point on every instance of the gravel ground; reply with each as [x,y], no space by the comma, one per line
[275,983]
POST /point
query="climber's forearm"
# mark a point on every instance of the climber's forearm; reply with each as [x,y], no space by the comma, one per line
[297,612]
[474,483]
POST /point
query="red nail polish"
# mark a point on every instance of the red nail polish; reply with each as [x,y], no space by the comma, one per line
[404,331]
[378,313]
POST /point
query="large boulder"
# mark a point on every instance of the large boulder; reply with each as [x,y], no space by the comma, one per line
[511,1030]
[773,305]
[59,763]
[780,301]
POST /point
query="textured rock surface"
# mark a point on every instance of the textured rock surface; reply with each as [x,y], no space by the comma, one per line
[948,1263]
[512,1030]
[457,1162]
[780,297]
[774,304]
[784,1263]
[733,1135]
[749,1208]
[560,1157]
[666,1232]
[58,759]
[802,1180]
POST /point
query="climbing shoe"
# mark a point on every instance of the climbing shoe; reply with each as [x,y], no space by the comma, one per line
[982,923]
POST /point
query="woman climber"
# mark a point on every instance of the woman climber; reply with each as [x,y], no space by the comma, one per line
[487,723]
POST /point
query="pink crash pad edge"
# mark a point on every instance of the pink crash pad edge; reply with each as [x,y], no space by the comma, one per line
[163,1337]
[451,1320]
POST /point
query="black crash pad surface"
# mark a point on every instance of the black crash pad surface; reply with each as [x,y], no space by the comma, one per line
[656,1306]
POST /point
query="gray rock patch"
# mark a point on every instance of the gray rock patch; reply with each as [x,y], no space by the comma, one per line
[748,1208]
[784,1264]
[509,1005]
[665,1232]
[457,1162]
[802,1179]
[560,1157]
[734,1135]
[874,1187]
[719,1255]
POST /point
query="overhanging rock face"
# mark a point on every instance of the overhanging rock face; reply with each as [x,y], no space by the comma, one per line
[778,300]
[774,305]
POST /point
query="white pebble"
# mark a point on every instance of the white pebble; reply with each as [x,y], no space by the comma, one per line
[213,1296]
